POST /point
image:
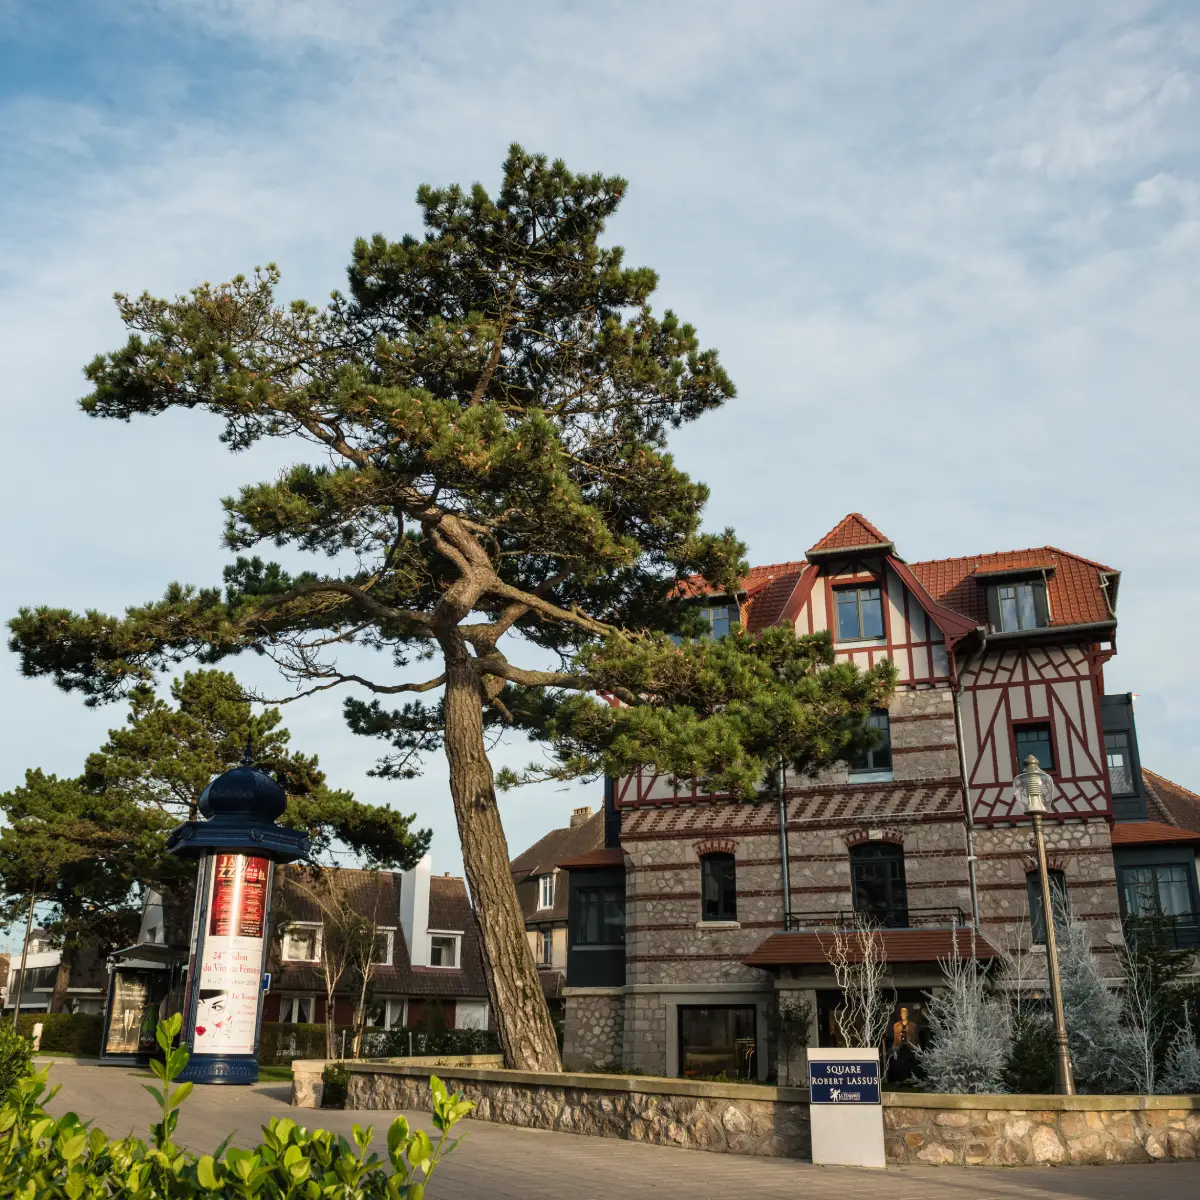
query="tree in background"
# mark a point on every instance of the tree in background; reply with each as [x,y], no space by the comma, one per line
[80,851]
[1181,1070]
[491,404]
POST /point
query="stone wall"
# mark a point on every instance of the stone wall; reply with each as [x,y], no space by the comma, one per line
[1054,1130]
[594,1029]
[724,1118]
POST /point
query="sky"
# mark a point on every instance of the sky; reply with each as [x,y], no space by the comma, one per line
[948,252]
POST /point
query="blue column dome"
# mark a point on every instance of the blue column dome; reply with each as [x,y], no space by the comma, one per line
[244,792]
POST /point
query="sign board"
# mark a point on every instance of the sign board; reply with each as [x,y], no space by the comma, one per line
[835,1081]
[845,1107]
[231,960]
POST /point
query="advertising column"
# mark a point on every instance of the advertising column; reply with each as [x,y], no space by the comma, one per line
[225,996]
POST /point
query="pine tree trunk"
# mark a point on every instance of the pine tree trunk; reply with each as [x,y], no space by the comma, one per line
[62,978]
[522,1017]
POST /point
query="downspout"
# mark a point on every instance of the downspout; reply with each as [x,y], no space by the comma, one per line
[968,808]
[785,870]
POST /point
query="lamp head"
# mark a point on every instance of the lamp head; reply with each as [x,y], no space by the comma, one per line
[1033,787]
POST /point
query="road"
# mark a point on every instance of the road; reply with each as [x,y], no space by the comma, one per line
[495,1161]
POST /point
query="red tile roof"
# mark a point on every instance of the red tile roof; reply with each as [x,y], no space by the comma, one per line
[1146,833]
[1176,804]
[850,533]
[1075,592]
[900,946]
[769,590]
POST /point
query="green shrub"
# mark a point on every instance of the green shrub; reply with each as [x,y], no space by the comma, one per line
[394,1043]
[65,1033]
[16,1058]
[280,1042]
[336,1079]
[41,1156]
[1030,1067]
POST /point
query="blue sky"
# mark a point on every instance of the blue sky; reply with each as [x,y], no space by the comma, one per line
[948,252]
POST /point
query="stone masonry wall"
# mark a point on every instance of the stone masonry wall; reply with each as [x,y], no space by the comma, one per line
[992,1131]
[667,1112]
[593,1034]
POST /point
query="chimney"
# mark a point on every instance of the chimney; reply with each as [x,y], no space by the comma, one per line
[581,816]
[414,910]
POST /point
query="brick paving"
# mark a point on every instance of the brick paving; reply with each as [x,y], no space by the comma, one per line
[495,1161]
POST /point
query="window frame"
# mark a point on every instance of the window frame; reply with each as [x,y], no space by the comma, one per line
[1033,891]
[546,946]
[726,888]
[389,933]
[543,904]
[870,767]
[840,590]
[1019,757]
[1131,789]
[575,924]
[1188,881]
[683,1014]
[894,914]
[291,1003]
[318,940]
[450,935]
[1039,598]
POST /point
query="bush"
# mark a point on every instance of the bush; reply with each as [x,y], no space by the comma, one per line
[16,1058]
[65,1033]
[281,1042]
[41,1156]
[394,1043]
[336,1079]
[1030,1067]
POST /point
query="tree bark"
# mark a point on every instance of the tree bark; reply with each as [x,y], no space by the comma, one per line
[62,978]
[522,1017]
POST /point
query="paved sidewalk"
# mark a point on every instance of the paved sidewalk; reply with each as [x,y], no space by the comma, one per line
[496,1162]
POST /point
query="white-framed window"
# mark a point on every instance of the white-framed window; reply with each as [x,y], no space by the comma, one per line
[443,949]
[302,942]
[385,944]
[546,891]
[547,947]
[297,1010]
[396,1013]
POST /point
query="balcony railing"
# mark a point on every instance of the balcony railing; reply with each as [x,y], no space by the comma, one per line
[1171,933]
[844,919]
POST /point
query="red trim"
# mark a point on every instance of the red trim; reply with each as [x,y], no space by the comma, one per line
[954,626]
[800,597]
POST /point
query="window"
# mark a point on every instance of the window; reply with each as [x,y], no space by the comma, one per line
[1034,738]
[546,944]
[1120,767]
[1019,605]
[859,613]
[302,943]
[546,891]
[599,916]
[443,950]
[878,883]
[1058,897]
[718,1040]
[1156,891]
[719,618]
[879,756]
[718,887]
[383,945]
[296,1010]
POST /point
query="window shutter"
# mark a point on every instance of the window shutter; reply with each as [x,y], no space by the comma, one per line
[993,601]
[1040,605]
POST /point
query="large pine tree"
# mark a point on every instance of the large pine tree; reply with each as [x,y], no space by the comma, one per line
[490,404]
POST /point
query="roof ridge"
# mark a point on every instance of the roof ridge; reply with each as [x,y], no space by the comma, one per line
[922,562]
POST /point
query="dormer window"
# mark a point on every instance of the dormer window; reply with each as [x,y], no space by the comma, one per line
[546,891]
[859,614]
[443,950]
[720,619]
[1015,605]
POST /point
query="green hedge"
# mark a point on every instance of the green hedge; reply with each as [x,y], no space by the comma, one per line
[65,1033]
[282,1042]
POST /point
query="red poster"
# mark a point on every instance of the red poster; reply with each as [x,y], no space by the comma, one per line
[239,896]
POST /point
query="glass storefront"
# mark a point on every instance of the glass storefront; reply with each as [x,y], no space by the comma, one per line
[903,1034]
[136,995]
[718,1040]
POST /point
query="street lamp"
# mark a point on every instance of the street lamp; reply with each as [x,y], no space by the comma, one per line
[1035,790]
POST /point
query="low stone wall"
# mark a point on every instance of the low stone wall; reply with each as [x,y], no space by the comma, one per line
[726,1118]
[1058,1130]
[594,1029]
[308,1086]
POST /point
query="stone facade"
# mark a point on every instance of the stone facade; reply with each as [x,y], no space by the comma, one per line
[1060,1130]
[594,1030]
[729,1118]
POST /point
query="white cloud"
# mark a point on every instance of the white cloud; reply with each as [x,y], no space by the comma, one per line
[947,252]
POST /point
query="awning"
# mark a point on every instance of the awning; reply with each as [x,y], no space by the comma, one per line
[899,945]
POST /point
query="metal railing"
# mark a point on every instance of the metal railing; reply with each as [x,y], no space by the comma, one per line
[910,918]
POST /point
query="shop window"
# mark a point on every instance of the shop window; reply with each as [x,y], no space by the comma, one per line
[878,883]
[718,1041]
[599,916]
[718,887]
[1058,897]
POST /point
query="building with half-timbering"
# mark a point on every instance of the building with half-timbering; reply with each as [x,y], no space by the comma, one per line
[682,932]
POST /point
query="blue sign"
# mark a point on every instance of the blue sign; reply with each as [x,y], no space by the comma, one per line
[266,984]
[843,1081]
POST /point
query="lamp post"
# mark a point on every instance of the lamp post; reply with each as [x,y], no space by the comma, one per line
[1036,789]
